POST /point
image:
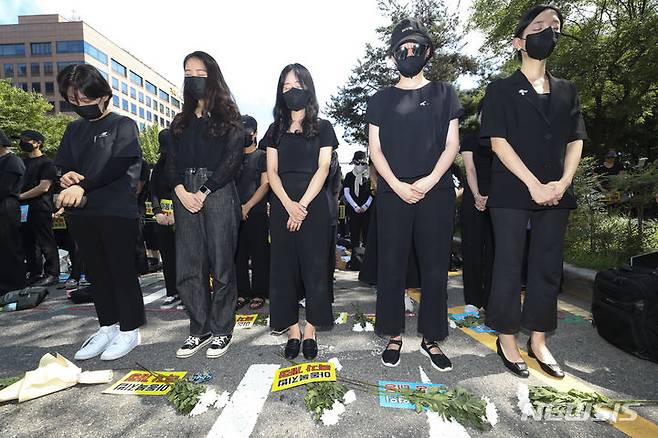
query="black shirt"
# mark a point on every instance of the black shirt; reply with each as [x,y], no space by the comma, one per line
[364,189]
[298,153]
[482,158]
[513,110]
[12,170]
[87,148]
[195,148]
[413,126]
[36,170]
[253,165]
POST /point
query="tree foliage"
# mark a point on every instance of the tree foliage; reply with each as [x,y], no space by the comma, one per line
[610,50]
[372,72]
[148,140]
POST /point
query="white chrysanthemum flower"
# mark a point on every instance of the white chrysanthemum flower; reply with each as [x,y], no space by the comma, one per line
[222,400]
[440,427]
[208,398]
[491,412]
[198,409]
[336,362]
[331,416]
[452,324]
[369,327]
[357,328]
[524,404]
[605,415]
[349,397]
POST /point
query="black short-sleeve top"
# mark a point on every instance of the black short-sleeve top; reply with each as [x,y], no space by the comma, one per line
[514,111]
[298,153]
[413,126]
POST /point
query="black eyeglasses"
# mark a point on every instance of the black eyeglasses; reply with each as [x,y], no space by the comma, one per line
[404,51]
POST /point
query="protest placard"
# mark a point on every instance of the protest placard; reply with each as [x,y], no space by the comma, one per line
[245,321]
[144,383]
[389,399]
[301,374]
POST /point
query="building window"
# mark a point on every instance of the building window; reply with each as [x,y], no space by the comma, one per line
[124,104]
[98,55]
[115,84]
[149,116]
[124,88]
[9,70]
[162,122]
[22,85]
[50,88]
[75,46]
[142,126]
[136,79]
[36,87]
[141,112]
[133,93]
[41,49]
[133,108]
[151,88]
[47,68]
[21,70]
[119,68]
[35,69]
[12,49]
[62,65]
[161,109]
[167,112]
[175,102]
[65,107]
[168,123]
[164,96]
[115,101]
[141,97]
[148,101]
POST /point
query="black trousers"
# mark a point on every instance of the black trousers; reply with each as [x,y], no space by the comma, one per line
[166,237]
[141,261]
[299,264]
[358,223]
[477,252]
[12,263]
[253,245]
[65,241]
[539,313]
[208,240]
[107,244]
[428,224]
[39,244]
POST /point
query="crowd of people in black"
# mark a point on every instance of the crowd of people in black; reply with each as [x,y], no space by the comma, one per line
[237,222]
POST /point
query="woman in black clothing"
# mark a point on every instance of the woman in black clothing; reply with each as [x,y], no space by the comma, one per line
[162,201]
[206,154]
[299,146]
[536,129]
[99,158]
[413,139]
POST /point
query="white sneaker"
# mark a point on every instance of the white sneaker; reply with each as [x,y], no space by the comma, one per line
[122,344]
[170,302]
[97,343]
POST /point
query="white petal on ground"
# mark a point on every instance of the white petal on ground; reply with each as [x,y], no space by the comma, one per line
[198,409]
[440,428]
[331,416]
[336,362]
[208,398]
[357,328]
[452,324]
[491,412]
[369,327]
[222,400]
[524,404]
[423,375]
[349,397]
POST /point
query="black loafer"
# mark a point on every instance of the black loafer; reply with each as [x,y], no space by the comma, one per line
[310,349]
[518,368]
[391,356]
[552,370]
[292,348]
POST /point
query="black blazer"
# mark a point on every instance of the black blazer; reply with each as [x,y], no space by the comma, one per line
[512,110]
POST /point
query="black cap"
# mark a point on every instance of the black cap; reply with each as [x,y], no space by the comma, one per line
[30,134]
[249,123]
[358,156]
[4,140]
[409,30]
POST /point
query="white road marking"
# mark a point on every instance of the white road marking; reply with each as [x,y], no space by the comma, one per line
[239,418]
[155,296]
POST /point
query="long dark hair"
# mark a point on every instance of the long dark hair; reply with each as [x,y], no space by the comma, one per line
[84,78]
[281,112]
[220,104]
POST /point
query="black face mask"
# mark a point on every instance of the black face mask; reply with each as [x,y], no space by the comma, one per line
[540,45]
[248,140]
[410,66]
[196,85]
[296,99]
[89,112]
[25,146]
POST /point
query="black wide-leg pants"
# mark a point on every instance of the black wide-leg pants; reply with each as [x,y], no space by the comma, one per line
[253,245]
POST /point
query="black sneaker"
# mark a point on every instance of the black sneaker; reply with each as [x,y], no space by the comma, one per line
[391,356]
[193,344]
[439,360]
[218,346]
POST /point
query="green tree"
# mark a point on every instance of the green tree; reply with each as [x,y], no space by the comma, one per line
[148,140]
[609,49]
[372,72]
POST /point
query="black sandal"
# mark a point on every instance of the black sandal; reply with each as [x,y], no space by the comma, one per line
[256,303]
[391,356]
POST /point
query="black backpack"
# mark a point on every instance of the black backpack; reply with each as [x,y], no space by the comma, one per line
[26,298]
[625,310]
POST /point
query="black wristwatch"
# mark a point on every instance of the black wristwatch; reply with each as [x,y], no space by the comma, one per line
[205,190]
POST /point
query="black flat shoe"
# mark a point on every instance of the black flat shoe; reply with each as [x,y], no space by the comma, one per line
[518,368]
[292,348]
[438,360]
[552,370]
[391,356]
[310,349]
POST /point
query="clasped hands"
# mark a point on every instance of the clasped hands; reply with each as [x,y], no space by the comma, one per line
[412,193]
[297,213]
[548,194]
[193,202]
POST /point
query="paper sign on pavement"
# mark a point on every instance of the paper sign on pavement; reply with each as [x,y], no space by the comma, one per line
[301,374]
[144,383]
